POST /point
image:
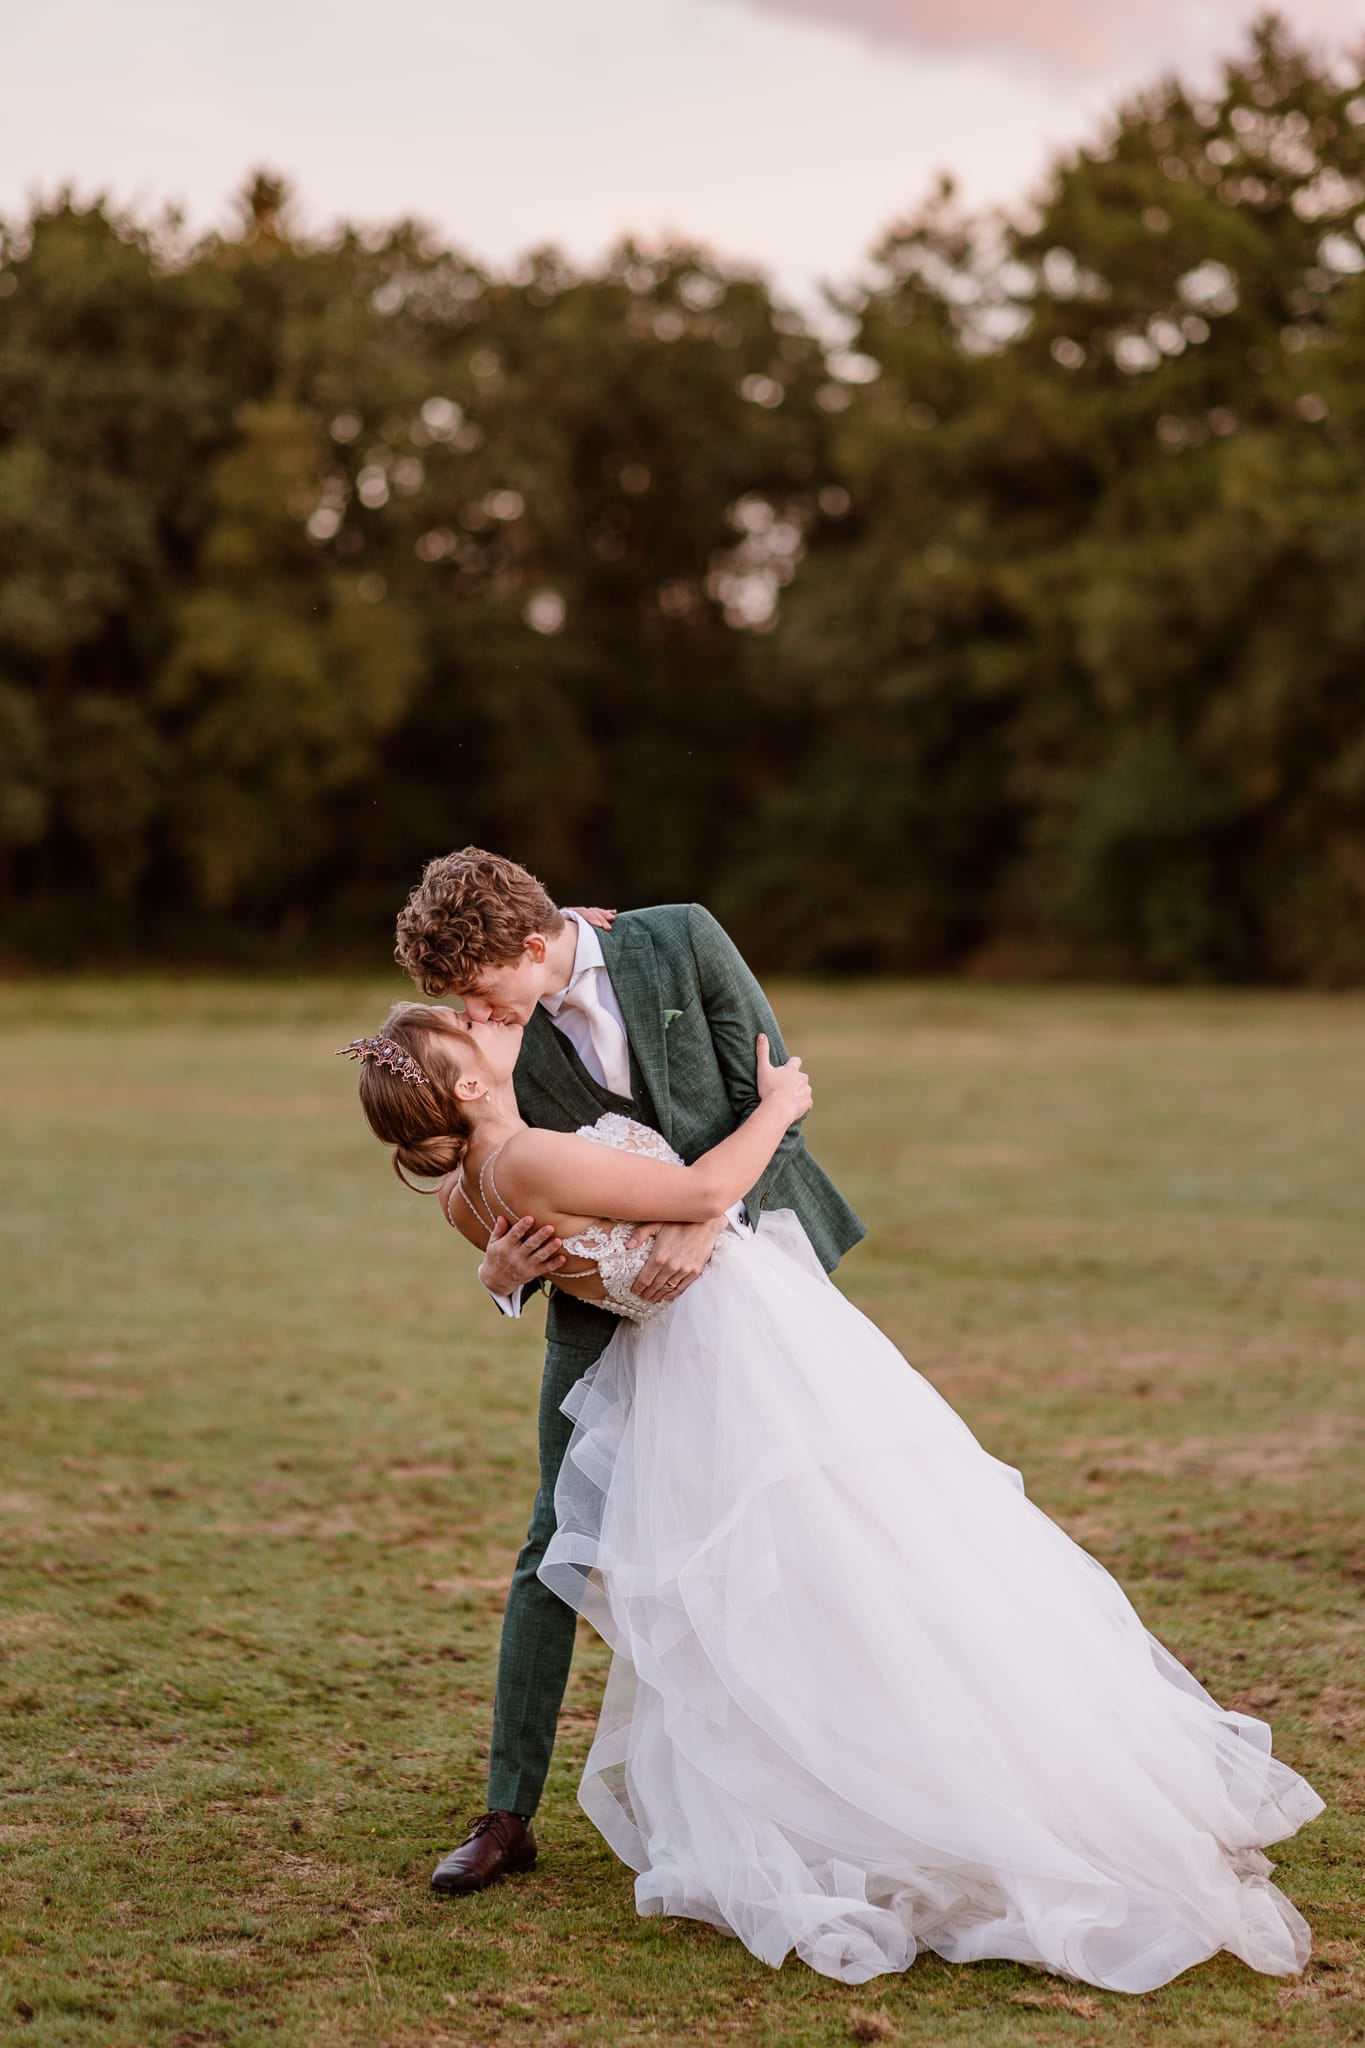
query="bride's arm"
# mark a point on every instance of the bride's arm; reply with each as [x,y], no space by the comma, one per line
[547,1172]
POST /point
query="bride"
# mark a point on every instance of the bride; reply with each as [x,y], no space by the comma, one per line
[865,1697]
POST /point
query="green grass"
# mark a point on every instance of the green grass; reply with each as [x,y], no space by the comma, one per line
[268,1453]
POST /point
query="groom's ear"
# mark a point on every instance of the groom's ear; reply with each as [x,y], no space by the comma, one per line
[537,946]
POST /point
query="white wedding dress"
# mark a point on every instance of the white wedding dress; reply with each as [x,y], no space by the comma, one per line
[866,1698]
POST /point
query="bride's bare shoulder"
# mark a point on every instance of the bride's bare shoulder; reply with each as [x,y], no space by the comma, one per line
[526,1161]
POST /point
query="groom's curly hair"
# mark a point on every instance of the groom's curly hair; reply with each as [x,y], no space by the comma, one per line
[471,910]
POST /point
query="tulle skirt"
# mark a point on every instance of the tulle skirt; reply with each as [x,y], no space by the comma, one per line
[865,1697]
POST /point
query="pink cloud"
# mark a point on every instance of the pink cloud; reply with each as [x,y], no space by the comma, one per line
[1076,35]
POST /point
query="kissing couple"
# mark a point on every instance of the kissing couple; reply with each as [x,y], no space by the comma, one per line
[865,1698]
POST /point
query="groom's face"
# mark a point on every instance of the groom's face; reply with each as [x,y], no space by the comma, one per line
[508,991]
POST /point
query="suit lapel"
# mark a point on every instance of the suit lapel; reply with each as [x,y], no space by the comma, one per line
[552,1066]
[629,953]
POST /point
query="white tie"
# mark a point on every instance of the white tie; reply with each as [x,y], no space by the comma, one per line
[608,1039]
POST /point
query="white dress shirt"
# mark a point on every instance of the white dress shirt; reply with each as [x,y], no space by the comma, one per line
[589,959]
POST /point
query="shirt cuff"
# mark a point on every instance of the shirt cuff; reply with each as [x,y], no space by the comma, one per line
[510,1304]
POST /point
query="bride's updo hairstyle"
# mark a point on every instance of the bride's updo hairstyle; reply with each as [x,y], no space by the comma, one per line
[408,1072]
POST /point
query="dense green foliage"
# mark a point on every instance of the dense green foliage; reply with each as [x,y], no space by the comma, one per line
[1025,630]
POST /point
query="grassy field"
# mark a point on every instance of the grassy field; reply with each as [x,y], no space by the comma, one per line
[267,1455]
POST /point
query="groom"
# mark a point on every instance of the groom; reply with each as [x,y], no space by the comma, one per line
[655,1018]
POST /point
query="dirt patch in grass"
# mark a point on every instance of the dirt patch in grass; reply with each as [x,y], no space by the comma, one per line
[1287,1457]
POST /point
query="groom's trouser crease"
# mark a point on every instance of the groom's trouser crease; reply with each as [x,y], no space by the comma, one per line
[538,1627]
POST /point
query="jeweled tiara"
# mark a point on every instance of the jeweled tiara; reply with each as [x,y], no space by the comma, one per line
[385,1053]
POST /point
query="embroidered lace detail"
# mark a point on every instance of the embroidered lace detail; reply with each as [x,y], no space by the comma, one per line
[604,1243]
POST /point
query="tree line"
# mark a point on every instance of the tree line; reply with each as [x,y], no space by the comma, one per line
[1016,623]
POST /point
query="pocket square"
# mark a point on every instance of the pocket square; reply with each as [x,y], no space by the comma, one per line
[669,1015]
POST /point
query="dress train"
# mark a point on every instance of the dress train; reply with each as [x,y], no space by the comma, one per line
[865,1696]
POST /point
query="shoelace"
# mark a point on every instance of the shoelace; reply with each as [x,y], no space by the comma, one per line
[488,1823]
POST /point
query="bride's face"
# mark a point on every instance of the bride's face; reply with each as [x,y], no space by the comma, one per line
[485,1052]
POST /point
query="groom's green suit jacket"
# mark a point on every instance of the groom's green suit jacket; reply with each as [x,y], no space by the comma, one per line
[692,1012]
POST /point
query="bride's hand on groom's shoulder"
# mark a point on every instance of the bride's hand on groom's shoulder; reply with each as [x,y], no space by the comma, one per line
[593,913]
[790,1083]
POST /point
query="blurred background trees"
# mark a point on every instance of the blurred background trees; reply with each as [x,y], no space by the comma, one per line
[1021,628]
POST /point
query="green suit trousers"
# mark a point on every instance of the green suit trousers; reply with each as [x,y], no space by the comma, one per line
[538,1628]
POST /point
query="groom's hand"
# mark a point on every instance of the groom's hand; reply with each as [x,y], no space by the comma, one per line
[519,1253]
[681,1251]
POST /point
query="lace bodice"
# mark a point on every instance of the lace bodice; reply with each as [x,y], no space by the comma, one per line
[604,1243]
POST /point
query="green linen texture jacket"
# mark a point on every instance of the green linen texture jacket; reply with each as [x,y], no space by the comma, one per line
[692,1012]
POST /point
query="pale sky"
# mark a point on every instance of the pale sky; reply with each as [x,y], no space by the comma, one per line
[786,133]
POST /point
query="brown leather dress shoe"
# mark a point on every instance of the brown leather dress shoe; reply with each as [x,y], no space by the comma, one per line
[498,1844]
